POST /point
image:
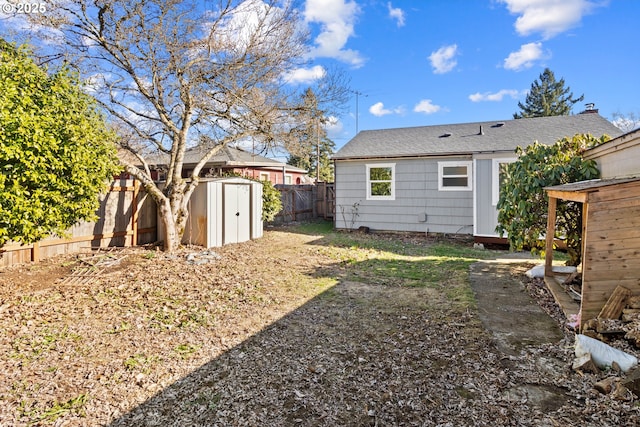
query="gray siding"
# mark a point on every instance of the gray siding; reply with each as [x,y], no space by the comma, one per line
[416,194]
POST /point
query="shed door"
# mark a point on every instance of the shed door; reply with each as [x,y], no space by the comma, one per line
[237,213]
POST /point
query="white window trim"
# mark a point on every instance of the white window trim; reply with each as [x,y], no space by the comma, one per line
[288,179]
[495,177]
[393,181]
[469,175]
[265,176]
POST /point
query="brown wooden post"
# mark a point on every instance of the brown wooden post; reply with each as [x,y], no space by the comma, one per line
[583,236]
[551,232]
[35,252]
[134,213]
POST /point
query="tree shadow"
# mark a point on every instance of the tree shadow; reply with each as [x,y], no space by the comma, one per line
[357,354]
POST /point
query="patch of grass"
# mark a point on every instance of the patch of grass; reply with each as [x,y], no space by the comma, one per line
[32,347]
[186,350]
[141,362]
[396,260]
[315,228]
[54,410]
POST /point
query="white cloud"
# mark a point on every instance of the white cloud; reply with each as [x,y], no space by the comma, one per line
[334,127]
[397,14]
[337,20]
[525,57]
[547,17]
[378,110]
[487,96]
[305,75]
[443,60]
[39,35]
[426,106]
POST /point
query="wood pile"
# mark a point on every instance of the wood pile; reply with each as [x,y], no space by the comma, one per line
[618,319]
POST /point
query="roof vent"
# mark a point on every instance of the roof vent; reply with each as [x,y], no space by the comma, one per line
[445,135]
[481,131]
[498,125]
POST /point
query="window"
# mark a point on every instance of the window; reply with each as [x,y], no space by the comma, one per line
[380,182]
[264,176]
[454,176]
[288,179]
[498,173]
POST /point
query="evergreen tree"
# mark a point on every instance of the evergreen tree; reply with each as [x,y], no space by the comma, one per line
[309,134]
[547,97]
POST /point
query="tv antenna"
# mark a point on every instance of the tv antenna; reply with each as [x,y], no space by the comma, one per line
[357,94]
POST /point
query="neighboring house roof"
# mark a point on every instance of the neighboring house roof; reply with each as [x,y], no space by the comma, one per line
[230,157]
[467,138]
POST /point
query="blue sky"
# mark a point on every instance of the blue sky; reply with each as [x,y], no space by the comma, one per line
[426,62]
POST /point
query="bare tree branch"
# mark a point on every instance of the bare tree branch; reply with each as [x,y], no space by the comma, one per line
[176,73]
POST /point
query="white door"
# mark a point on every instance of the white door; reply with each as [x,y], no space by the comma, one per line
[237,213]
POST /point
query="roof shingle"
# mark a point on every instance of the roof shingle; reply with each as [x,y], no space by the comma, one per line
[477,137]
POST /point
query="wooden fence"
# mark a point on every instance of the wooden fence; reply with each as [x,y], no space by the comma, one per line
[121,222]
[306,202]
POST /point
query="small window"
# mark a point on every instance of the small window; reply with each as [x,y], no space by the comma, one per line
[264,176]
[380,182]
[454,176]
[288,179]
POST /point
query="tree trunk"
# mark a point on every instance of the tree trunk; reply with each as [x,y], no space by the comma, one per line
[171,238]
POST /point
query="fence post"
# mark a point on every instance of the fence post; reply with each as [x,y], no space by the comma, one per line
[134,213]
[35,252]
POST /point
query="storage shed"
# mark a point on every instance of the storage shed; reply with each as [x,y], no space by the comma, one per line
[223,211]
[611,225]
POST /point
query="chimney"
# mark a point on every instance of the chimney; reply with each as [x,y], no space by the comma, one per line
[589,108]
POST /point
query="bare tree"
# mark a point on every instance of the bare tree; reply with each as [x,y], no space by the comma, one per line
[179,73]
[626,122]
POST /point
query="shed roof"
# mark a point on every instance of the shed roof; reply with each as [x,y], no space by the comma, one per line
[469,138]
[591,185]
[230,157]
[579,191]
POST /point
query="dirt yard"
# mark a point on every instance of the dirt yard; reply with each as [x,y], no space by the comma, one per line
[287,330]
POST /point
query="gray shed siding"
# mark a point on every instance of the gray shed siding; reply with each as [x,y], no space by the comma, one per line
[222,211]
[416,195]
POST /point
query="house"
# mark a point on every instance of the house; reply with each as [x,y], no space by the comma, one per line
[610,226]
[442,178]
[235,161]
